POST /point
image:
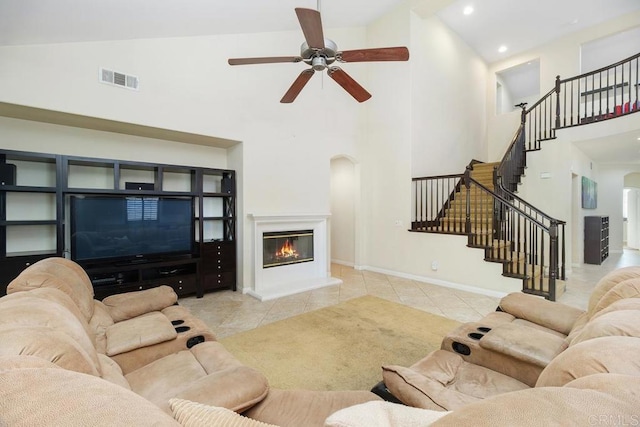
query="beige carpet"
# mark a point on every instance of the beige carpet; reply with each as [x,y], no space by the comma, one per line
[340,347]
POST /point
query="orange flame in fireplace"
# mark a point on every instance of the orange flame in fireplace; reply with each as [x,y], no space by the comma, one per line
[287,250]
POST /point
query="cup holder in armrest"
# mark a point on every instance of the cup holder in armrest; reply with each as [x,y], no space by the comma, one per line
[194,341]
[484,329]
[182,329]
[475,335]
[177,322]
[460,348]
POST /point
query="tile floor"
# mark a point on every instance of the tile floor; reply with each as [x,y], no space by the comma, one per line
[228,312]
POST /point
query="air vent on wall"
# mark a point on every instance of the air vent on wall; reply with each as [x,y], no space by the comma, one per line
[116,78]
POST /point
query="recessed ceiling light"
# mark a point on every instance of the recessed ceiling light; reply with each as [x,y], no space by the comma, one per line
[502,49]
[468,10]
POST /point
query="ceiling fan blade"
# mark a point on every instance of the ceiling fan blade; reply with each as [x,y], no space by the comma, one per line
[379,54]
[297,86]
[266,60]
[349,84]
[311,24]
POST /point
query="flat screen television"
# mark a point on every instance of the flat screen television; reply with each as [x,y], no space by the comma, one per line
[130,228]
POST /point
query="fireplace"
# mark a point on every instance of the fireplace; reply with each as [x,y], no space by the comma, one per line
[286,247]
[303,263]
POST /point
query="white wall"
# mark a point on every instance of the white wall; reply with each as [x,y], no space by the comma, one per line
[610,186]
[448,100]
[24,135]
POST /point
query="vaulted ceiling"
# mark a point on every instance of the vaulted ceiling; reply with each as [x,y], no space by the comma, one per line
[518,25]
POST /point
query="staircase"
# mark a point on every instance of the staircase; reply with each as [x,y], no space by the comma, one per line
[482,203]
[472,208]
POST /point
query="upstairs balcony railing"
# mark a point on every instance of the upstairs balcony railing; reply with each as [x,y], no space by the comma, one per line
[603,94]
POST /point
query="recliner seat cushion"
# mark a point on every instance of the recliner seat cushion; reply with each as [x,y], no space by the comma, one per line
[444,381]
[207,373]
[305,408]
[530,345]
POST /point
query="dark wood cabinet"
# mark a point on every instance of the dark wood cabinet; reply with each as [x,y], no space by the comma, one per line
[181,275]
[596,239]
[218,265]
[35,193]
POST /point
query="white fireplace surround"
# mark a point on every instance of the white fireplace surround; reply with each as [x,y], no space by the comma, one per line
[276,282]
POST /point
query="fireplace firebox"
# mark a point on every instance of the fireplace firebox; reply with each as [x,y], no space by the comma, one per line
[286,247]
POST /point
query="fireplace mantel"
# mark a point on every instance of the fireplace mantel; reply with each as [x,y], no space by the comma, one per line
[289,217]
[286,280]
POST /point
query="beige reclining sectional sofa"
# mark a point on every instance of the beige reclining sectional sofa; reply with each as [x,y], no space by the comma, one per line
[140,359]
[529,343]
[137,347]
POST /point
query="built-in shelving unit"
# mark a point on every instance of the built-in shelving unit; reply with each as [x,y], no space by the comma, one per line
[596,239]
[35,192]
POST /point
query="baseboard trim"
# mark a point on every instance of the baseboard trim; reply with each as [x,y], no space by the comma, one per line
[345,263]
[439,282]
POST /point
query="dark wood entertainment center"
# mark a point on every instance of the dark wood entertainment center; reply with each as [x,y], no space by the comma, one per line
[35,189]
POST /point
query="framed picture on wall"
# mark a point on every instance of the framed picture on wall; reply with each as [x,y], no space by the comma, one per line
[589,193]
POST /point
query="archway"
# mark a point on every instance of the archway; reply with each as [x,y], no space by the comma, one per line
[345,201]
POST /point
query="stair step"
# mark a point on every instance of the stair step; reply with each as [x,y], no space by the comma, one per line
[511,256]
[457,228]
[531,272]
[487,219]
[534,288]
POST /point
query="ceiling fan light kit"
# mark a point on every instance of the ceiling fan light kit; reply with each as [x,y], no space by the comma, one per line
[320,53]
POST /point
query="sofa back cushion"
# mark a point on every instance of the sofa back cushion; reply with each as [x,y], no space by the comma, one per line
[609,281]
[629,288]
[23,310]
[613,354]
[43,396]
[58,273]
[53,295]
[554,406]
[46,343]
[614,323]
[622,304]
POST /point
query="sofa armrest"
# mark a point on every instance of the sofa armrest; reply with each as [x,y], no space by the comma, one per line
[552,315]
[523,343]
[142,331]
[132,304]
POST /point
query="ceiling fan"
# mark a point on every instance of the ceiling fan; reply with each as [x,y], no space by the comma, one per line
[321,53]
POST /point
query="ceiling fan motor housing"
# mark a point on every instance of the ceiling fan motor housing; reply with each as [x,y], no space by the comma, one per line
[319,59]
